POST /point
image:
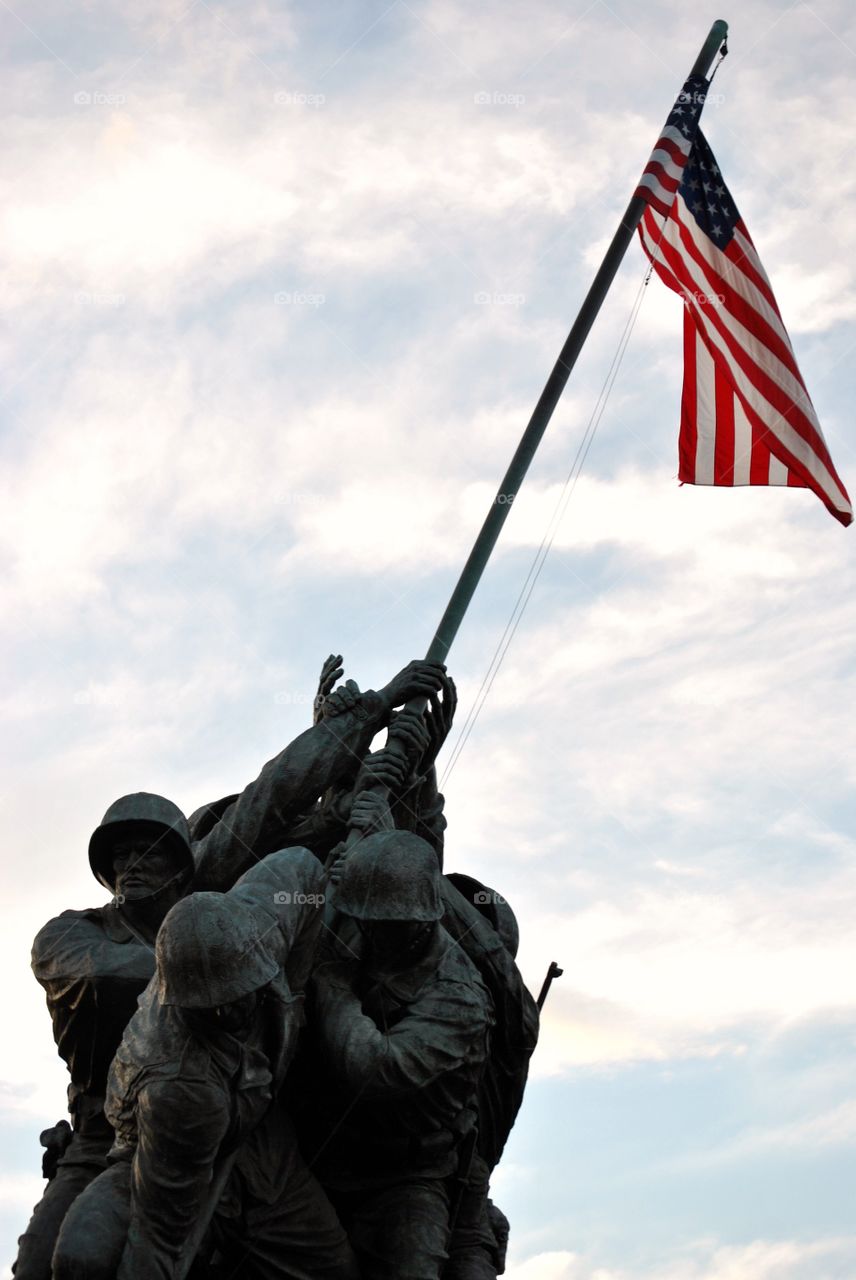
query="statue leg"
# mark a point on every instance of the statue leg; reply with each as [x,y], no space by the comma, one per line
[93,1235]
[288,1229]
[83,1160]
[475,1253]
[401,1232]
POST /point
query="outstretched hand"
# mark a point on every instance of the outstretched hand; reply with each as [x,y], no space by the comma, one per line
[438,721]
[331,671]
[386,768]
[418,679]
[370,812]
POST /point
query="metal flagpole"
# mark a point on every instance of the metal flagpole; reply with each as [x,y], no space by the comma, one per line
[531,438]
[519,465]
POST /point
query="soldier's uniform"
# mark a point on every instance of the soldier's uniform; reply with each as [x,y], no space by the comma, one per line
[93,967]
[181,1100]
[401,1055]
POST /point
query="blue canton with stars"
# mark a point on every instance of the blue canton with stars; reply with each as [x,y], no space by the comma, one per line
[706,195]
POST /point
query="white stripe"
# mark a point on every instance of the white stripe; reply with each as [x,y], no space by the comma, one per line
[679,139]
[778,472]
[705,411]
[731,273]
[755,348]
[655,186]
[769,416]
[775,423]
[665,161]
[742,443]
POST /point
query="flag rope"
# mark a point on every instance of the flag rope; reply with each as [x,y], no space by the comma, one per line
[552,529]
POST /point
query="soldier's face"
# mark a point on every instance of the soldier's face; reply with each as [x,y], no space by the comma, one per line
[140,867]
[396,944]
[236,1018]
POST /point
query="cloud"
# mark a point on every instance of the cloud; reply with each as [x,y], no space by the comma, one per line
[760,1260]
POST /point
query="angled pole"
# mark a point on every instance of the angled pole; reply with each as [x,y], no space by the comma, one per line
[541,415]
[519,465]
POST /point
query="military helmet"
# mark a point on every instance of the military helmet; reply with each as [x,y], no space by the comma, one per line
[135,814]
[209,952]
[390,875]
[492,906]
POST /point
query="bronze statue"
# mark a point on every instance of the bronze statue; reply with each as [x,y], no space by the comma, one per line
[95,964]
[401,1033]
[203,1136]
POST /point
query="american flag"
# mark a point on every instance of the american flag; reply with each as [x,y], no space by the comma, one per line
[746,416]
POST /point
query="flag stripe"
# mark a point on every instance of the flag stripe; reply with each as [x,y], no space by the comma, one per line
[781,417]
[782,388]
[742,443]
[746,415]
[688,438]
[723,439]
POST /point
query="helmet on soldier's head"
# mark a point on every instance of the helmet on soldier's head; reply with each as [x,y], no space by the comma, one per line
[390,875]
[492,906]
[139,814]
[209,953]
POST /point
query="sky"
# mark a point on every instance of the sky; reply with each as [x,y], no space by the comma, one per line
[281,286]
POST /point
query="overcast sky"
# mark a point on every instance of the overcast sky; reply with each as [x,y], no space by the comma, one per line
[281,285]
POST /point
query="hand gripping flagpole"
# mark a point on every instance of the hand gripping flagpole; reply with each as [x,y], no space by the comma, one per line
[543,411]
[541,415]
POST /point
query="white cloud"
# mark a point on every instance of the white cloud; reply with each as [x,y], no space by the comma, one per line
[831,1259]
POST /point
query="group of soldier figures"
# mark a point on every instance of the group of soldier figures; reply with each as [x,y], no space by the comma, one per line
[291,1054]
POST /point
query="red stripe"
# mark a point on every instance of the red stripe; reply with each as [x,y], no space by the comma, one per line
[751,267]
[760,379]
[759,461]
[653,229]
[739,306]
[678,154]
[654,200]
[688,437]
[761,432]
[723,446]
[665,179]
